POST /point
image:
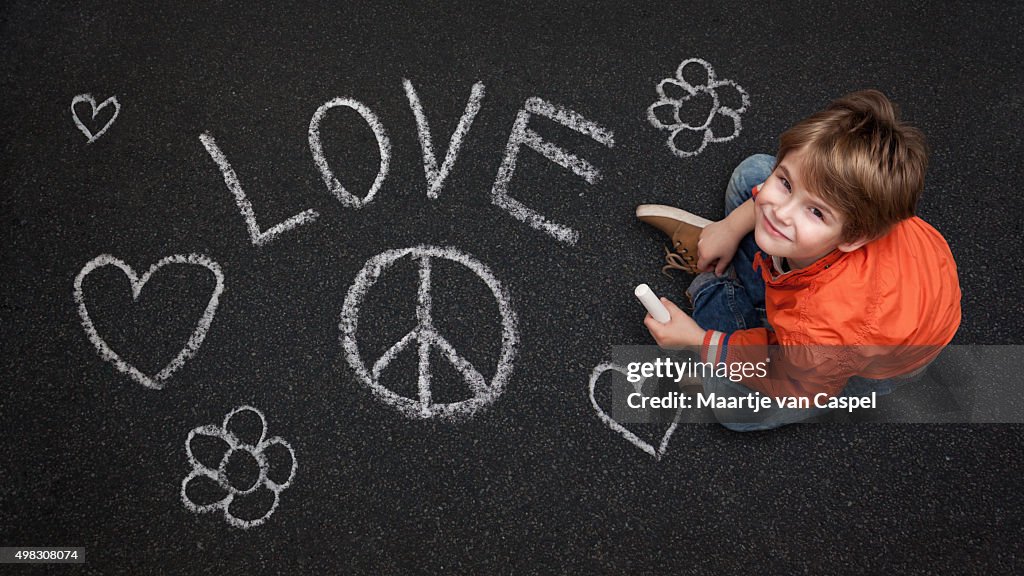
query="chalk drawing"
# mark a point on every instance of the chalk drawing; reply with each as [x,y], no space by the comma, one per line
[523,135]
[427,337]
[668,106]
[213,477]
[436,176]
[95,110]
[316,148]
[257,236]
[195,340]
[611,423]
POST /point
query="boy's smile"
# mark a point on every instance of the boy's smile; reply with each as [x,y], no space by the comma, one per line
[792,222]
[771,228]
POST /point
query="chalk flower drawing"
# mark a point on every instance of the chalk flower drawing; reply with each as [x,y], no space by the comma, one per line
[234,490]
[665,113]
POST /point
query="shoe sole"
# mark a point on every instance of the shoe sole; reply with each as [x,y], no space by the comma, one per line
[670,212]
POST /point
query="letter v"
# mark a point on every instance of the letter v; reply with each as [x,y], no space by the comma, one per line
[435,176]
[257,236]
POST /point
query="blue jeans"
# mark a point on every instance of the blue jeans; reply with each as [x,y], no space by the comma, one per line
[735,301]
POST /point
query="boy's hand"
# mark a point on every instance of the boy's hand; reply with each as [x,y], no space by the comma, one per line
[679,332]
[717,246]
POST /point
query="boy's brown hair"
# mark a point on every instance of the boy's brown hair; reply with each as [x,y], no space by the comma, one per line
[862,160]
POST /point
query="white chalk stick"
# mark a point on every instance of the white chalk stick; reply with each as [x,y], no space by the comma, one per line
[650,301]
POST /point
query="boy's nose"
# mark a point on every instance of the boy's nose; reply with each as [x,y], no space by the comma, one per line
[784,212]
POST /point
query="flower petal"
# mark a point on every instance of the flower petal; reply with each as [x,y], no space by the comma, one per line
[201,492]
[250,510]
[206,446]
[727,123]
[686,142]
[280,458]
[663,115]
[674,90]
[695,73]
[247,424]
[731,96]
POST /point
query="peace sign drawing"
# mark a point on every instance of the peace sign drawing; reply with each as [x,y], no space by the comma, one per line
[426,336]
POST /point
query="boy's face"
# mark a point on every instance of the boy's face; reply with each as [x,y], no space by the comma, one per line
[793,223]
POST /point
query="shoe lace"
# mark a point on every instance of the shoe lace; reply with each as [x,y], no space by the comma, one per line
[678,261]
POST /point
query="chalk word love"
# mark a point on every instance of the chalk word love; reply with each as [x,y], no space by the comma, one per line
[521,135]
[426,337]
[95,110]
[625,432]
[155,382]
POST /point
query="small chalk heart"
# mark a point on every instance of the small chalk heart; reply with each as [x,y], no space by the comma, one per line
[633,439]
[95,110]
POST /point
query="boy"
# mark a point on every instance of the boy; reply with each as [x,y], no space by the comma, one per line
[821,258]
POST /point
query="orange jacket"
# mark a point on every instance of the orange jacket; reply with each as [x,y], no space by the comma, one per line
[881,311]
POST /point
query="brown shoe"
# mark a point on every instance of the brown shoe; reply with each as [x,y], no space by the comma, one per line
[682,227]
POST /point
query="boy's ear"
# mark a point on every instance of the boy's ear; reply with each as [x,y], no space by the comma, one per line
[851,246]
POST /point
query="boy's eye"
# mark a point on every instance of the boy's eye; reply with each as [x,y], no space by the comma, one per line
[786,183]
[817,213]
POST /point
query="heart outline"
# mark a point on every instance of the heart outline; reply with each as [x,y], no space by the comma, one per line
[95,110]
[191,346]
[622,430]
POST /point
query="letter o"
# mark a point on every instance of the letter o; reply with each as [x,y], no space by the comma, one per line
[316,148]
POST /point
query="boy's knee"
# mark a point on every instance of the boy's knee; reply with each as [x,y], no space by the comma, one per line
[753,170]
[745,421]
[706,279]
[746,427]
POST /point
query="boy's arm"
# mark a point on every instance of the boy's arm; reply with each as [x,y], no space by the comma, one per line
[742,218]
[766,366]
[720,240]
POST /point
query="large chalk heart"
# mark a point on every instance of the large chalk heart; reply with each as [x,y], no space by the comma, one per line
[95,110]
[198,335]
[625,432]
